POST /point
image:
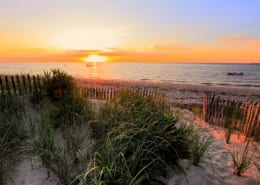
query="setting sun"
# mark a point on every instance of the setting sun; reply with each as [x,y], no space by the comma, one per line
[95,58]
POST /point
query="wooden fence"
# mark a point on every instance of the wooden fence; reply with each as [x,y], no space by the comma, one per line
[243,116]
[107,93]
[26,84]
[20,84]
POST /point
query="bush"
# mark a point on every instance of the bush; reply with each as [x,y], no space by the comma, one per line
[129,106]
[70,109]
[58,84]
[140,142]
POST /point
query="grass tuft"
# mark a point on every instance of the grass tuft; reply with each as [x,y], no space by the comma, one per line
[11,127]
[242,162]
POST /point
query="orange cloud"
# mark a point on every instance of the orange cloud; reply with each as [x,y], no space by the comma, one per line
[240,40]
[159,53]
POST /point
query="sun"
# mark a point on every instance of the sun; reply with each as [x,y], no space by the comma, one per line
[95,58]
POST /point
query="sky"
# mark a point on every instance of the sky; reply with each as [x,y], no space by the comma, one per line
[130,30]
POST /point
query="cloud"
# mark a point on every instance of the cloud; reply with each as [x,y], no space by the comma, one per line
[168,46]
[240,40]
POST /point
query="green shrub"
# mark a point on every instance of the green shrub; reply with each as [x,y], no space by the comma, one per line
[140,141]
[132,107]
[58,84]
[70,109]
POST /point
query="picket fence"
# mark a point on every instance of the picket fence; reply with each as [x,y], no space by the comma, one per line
[19,84]
[244,116]
[26,84]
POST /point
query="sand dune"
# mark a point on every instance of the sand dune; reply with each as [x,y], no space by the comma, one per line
[217,166]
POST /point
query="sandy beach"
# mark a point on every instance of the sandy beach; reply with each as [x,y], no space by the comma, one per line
[217,167]
[181,94]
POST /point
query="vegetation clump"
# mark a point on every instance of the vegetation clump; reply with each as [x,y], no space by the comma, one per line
[58,83]
[140,142]
[60,138]
[233,114]
[242,161]
[11,127]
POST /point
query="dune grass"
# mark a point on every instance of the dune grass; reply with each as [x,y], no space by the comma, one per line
[60,137]
[11,127]
[136,137]
[200,145]
[140,143]
[242,161]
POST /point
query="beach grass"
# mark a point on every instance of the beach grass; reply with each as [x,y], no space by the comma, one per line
[132,139]
[12,133]
[61,135]
[242,160]
[140,143]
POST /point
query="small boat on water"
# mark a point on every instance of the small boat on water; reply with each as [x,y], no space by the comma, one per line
[89,65]
[235,74]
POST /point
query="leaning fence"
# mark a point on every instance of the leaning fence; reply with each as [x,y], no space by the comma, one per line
[243,116]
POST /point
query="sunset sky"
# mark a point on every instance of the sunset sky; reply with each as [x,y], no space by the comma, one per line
[130,30]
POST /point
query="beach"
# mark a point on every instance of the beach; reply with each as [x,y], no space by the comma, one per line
[180,94]
[217,167]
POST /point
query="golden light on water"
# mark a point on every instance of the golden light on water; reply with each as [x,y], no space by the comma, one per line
[96,58]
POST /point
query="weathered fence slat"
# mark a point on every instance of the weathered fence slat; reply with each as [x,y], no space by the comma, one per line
[19,84]
[1,86]
[244,116]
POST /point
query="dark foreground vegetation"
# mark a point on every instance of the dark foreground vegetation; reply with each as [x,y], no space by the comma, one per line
[133,139]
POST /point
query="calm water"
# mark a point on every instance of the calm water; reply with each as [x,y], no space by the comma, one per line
[207,74]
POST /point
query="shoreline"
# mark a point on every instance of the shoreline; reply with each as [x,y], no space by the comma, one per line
[185,94]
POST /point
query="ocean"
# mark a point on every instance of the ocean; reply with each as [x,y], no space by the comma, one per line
[173,73]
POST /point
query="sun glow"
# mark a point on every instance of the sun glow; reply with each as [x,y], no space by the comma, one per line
[95,58]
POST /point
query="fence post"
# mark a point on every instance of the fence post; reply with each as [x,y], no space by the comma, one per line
[13,85]
[24,84]
[1,86]
[35,88]
[7,85]
[39,83]
[204,107]
[29,83]
[19,84]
